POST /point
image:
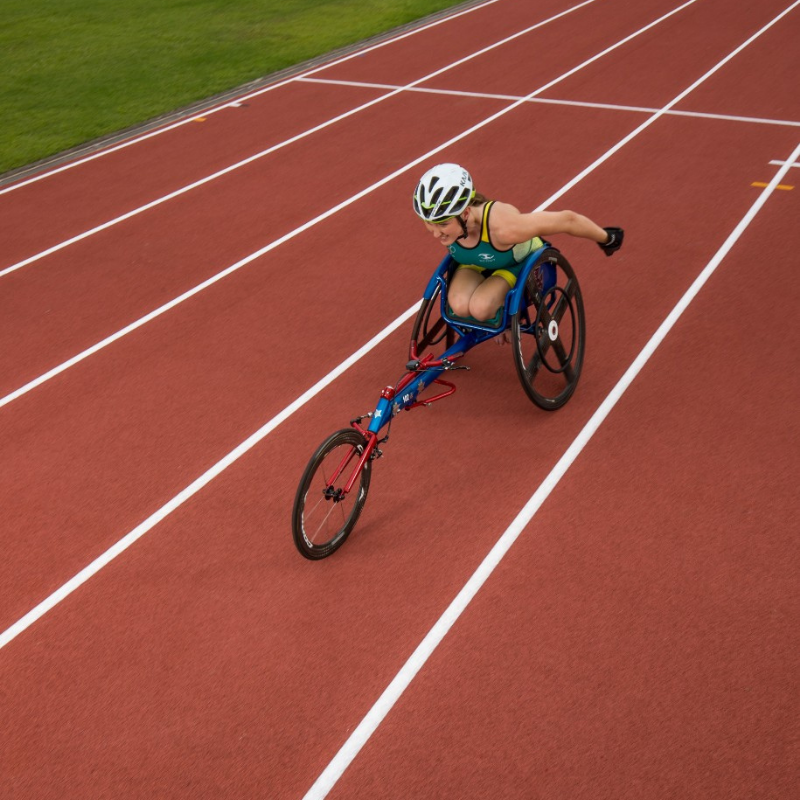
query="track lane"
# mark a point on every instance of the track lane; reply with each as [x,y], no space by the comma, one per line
[549,52]
[67,206]
[760,81]
[389,66]
[647,73]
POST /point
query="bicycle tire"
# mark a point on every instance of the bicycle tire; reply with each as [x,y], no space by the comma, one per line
[321,522]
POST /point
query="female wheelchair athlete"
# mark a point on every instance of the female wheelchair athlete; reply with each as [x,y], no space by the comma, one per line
[544,315]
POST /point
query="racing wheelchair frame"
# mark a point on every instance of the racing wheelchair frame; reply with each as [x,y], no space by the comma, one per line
[545,317]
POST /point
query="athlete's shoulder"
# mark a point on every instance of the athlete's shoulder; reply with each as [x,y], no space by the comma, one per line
[501,207]
[506,222]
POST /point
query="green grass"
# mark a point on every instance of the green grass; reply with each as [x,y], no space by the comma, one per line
[75,70]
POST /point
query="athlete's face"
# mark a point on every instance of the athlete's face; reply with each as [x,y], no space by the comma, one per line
[445,232]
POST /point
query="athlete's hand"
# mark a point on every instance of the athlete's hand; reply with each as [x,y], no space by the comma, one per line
[614,241]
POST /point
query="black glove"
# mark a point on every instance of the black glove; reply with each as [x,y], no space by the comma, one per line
[614,242]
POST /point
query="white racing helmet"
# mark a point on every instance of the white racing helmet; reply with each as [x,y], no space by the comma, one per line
[443,192]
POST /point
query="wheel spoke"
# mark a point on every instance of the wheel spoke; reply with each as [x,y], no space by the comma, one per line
[532,367]
[557,345]
[545,343]
[323,522]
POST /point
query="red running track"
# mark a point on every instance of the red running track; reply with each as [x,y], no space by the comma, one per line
[638,639]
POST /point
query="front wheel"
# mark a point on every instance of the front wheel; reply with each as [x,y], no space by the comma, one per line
[548,333]
[324,515]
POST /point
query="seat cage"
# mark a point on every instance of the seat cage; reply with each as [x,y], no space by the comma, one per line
[514,299]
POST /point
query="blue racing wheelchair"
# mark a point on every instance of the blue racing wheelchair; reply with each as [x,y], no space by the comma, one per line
[544,316]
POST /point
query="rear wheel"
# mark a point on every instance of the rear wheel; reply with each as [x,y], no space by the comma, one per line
[429,327]
[548,332]
[323,515]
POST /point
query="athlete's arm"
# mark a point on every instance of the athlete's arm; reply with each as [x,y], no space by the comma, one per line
[510,227]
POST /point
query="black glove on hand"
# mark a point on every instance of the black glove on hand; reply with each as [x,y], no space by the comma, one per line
[614,242]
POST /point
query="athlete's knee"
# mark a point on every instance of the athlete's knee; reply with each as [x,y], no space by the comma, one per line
[459,303]
[483,308]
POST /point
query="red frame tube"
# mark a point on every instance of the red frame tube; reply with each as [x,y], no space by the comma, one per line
[372,440]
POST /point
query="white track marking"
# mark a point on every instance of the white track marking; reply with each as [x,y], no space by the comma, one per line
[347,753]
[140,530]
[294,139]
[419,657]
[647,123]
[781,163]
[557,102]
[236,102]
[292,234]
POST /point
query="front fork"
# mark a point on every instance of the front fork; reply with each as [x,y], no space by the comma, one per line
[367,453]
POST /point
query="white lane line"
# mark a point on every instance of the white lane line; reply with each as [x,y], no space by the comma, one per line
[781,163]
[242,99]
[204,479]
[292,234]
[557,102]
[647,123]
[140,530]
[419,657]
[294,139]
